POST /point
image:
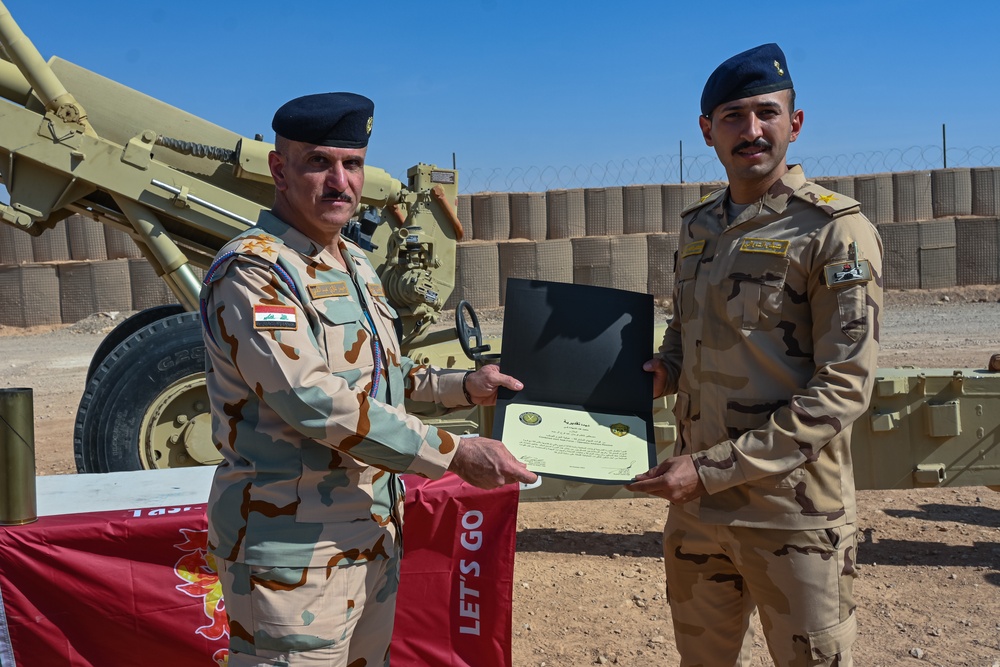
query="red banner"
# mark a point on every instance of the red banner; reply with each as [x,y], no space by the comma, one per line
[135,586]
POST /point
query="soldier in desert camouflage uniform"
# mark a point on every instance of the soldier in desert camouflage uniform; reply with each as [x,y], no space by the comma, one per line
[307,381]
[771,351]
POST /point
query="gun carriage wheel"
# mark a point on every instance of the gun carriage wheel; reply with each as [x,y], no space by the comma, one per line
[145,406]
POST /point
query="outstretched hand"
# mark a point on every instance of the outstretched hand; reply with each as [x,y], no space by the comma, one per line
[676,479]
[488,464]
[483,384]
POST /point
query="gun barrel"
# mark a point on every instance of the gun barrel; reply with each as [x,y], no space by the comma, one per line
[36,71]
[13,85]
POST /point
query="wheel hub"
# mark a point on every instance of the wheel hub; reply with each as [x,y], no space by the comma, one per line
[176,430]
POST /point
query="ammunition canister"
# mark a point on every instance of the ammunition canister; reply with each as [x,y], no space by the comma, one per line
[17,458]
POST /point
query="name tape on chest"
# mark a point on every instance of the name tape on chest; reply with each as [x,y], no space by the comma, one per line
[766,246]
[693,248]
[327,290]
[376,290]
[267,318]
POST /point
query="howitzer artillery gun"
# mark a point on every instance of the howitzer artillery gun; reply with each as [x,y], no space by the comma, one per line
[72,141]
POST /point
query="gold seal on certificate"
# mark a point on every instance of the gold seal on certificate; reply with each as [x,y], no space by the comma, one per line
[575,443]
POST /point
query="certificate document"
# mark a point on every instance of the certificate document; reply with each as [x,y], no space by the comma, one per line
[586,410]
[587,445]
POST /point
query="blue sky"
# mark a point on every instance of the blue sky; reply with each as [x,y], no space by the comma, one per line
[575,90]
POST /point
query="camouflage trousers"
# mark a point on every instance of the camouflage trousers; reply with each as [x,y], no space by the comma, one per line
[299,617]
[801,582]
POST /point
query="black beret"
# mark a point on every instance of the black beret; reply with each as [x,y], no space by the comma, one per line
[341,120]
[760,70]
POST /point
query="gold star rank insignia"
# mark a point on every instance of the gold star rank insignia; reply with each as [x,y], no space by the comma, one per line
[826,199]
[258,246]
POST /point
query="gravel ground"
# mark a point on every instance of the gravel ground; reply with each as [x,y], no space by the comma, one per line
[588,585]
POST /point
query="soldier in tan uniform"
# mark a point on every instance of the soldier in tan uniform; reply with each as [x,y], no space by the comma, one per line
[307,381]
[771,351]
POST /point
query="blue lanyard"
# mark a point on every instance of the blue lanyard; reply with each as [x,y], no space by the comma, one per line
[376,348]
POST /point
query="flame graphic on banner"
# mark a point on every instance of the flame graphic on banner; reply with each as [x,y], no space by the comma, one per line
[197,568]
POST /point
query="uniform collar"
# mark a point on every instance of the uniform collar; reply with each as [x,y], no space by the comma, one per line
[301,243]
[776,198]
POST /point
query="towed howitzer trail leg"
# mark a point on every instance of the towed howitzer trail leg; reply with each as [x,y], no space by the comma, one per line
[167,259]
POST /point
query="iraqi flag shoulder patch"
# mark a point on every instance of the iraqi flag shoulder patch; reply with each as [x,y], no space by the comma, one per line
[274,317]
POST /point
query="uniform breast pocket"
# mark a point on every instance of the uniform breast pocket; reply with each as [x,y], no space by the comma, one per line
[347,342]
[686,274]
[388,315]
[758,282]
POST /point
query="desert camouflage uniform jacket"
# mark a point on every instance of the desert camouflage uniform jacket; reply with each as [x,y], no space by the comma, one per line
[772,352]
[308,444]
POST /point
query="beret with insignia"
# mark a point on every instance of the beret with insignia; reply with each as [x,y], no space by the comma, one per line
[341,120]
[759,70]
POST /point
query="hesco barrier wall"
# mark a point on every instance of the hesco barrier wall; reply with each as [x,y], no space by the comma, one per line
[940,228]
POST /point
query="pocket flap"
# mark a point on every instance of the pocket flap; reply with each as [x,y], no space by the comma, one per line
[759,268]
[825,644]
[340,310]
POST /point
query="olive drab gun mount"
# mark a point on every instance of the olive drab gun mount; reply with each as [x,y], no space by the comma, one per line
[72,141]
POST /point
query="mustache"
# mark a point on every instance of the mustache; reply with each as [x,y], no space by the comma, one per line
[761,143]
[336,195]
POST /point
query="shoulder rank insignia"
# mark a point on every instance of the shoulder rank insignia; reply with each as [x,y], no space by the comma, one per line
[260,246]
[854,270]
[274,317]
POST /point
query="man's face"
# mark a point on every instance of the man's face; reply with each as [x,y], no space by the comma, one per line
[751,135]
[318,187]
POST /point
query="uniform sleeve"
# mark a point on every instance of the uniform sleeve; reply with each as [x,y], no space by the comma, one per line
[845,338]
[671,351]
[431,384]
[288,371]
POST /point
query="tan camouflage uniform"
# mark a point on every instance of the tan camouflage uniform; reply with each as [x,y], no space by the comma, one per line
[772,352]
[305,491]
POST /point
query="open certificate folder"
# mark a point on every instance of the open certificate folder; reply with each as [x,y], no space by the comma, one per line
[585,412]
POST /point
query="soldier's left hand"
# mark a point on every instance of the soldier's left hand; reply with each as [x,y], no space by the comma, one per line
[484,383]
[675,479]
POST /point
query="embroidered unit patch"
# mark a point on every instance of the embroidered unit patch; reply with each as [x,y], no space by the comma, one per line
[693,248]
[768,246]
[274,317]
[326,290]
[840,274]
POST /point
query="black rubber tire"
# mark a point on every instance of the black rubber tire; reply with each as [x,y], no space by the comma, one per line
[125,384]
[127,328]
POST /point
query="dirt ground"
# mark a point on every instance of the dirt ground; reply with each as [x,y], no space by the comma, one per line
[588,580]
